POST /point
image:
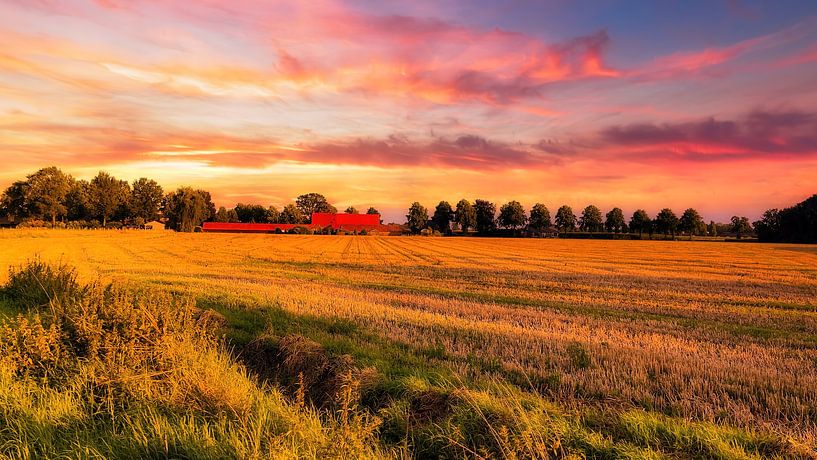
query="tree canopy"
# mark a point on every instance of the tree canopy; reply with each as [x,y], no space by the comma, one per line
[614,221]
[540,217]
[591,220]
[484,212]
[565,219]
[417,217]
[666,222]
[443,214]
[512,215]
[187,208]
[465,215]
[146,199]
[108,196]
[640,222]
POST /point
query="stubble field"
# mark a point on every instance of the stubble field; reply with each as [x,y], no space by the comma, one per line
[650,348]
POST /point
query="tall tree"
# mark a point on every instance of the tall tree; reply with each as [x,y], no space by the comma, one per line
[768,227]
[443,214]
[692,223]
[221,215]
[146,199]
[565,219]
[273,215]
[108,196]
[740,226]
[640,222]
[666,222]
[13,202]
[291,214]
[187,209]
[512,215]
[615,221]
[540,217]
[311,203]
[78,202]
[417,217]
[465,215]
[485,213]
[251,213]
[351,210]
[713,228]
[591,219]
[46,192]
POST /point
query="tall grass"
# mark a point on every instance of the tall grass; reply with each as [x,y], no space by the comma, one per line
[114,373]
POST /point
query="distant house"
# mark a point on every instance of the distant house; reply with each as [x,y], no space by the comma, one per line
[321,221]
[154,225]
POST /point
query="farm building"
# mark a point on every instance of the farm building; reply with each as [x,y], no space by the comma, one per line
[350,223]
[154,225]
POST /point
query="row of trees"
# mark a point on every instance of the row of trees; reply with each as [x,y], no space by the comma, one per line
[299,212]
[797,224]
[50,194]
[54,196]
[482,217]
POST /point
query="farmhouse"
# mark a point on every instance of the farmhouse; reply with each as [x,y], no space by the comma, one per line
[320,221]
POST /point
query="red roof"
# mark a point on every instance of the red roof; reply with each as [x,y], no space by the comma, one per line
[320,220]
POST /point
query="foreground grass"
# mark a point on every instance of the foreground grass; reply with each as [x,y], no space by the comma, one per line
[105,372]
[455,349]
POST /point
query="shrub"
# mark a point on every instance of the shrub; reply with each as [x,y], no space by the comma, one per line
[39,284]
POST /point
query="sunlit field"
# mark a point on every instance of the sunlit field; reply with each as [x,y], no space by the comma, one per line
[561,347]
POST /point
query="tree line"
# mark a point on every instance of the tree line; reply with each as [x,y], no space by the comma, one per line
[299,212]
[58,199]
[482,217]
[797,224]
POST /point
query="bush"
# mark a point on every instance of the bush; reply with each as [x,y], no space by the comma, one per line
[39,284]
[117,373]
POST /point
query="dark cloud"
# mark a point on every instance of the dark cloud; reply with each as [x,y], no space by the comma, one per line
[466,152]
[757,133]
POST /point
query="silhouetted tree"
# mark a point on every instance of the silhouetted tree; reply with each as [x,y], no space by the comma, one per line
[713,228]
[251,213]
[465,215]
[13,202]
[273,215]
[615,221]
[591,219]
[666,222]
[540,217]
[108,196]
[640,222]
[311,203]
[146,199]
[512,215]
[417,217]
[796,224]
[692,223]
[372,210]
[740,226]
[565,219]
[291,214]
[78,201]
[443,214]
[46,192]
[484,212]
[351,210]
[187,209]
[768,227]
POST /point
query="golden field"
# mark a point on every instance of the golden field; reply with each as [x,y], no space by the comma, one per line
[717,333]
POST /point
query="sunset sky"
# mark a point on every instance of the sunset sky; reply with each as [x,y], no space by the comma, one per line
[710,104]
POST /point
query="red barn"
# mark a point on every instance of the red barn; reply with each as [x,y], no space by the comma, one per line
[320,221]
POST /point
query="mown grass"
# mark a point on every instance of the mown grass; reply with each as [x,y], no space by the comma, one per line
[462,348]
